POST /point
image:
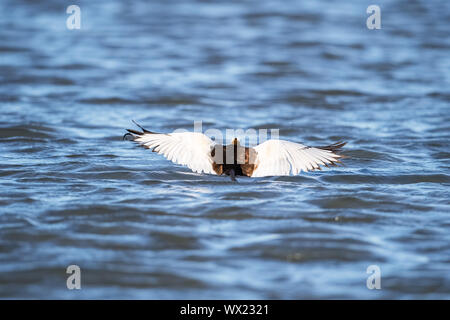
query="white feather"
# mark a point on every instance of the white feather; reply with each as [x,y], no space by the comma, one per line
[191,149]
[283,158]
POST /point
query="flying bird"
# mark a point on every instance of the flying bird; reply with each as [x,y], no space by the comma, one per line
[271,158]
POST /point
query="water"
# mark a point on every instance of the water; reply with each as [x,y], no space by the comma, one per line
[72,192]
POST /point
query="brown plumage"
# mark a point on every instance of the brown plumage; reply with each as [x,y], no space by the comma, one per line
[236,160]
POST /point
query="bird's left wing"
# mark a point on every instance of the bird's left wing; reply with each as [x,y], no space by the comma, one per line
[282,158]
[191,149]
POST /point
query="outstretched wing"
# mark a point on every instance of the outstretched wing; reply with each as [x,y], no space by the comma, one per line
[191,149]
[283,158]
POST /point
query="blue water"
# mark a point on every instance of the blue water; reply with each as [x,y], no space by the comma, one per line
[138,226]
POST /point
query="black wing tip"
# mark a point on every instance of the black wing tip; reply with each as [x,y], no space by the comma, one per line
[141,127]
[132,134]
[335,147]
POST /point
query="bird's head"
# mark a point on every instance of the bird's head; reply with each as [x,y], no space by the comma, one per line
[235,142]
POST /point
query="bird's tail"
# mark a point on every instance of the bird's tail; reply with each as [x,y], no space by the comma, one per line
[232,175]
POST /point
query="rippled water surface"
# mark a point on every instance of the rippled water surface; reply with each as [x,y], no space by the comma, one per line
[72,192]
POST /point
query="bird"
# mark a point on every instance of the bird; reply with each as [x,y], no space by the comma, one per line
[201,154]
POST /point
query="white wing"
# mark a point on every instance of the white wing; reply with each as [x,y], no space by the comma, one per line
[191,149]
[281,158]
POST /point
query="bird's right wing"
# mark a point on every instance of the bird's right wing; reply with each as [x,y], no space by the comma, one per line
[191,149]
[283,158]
